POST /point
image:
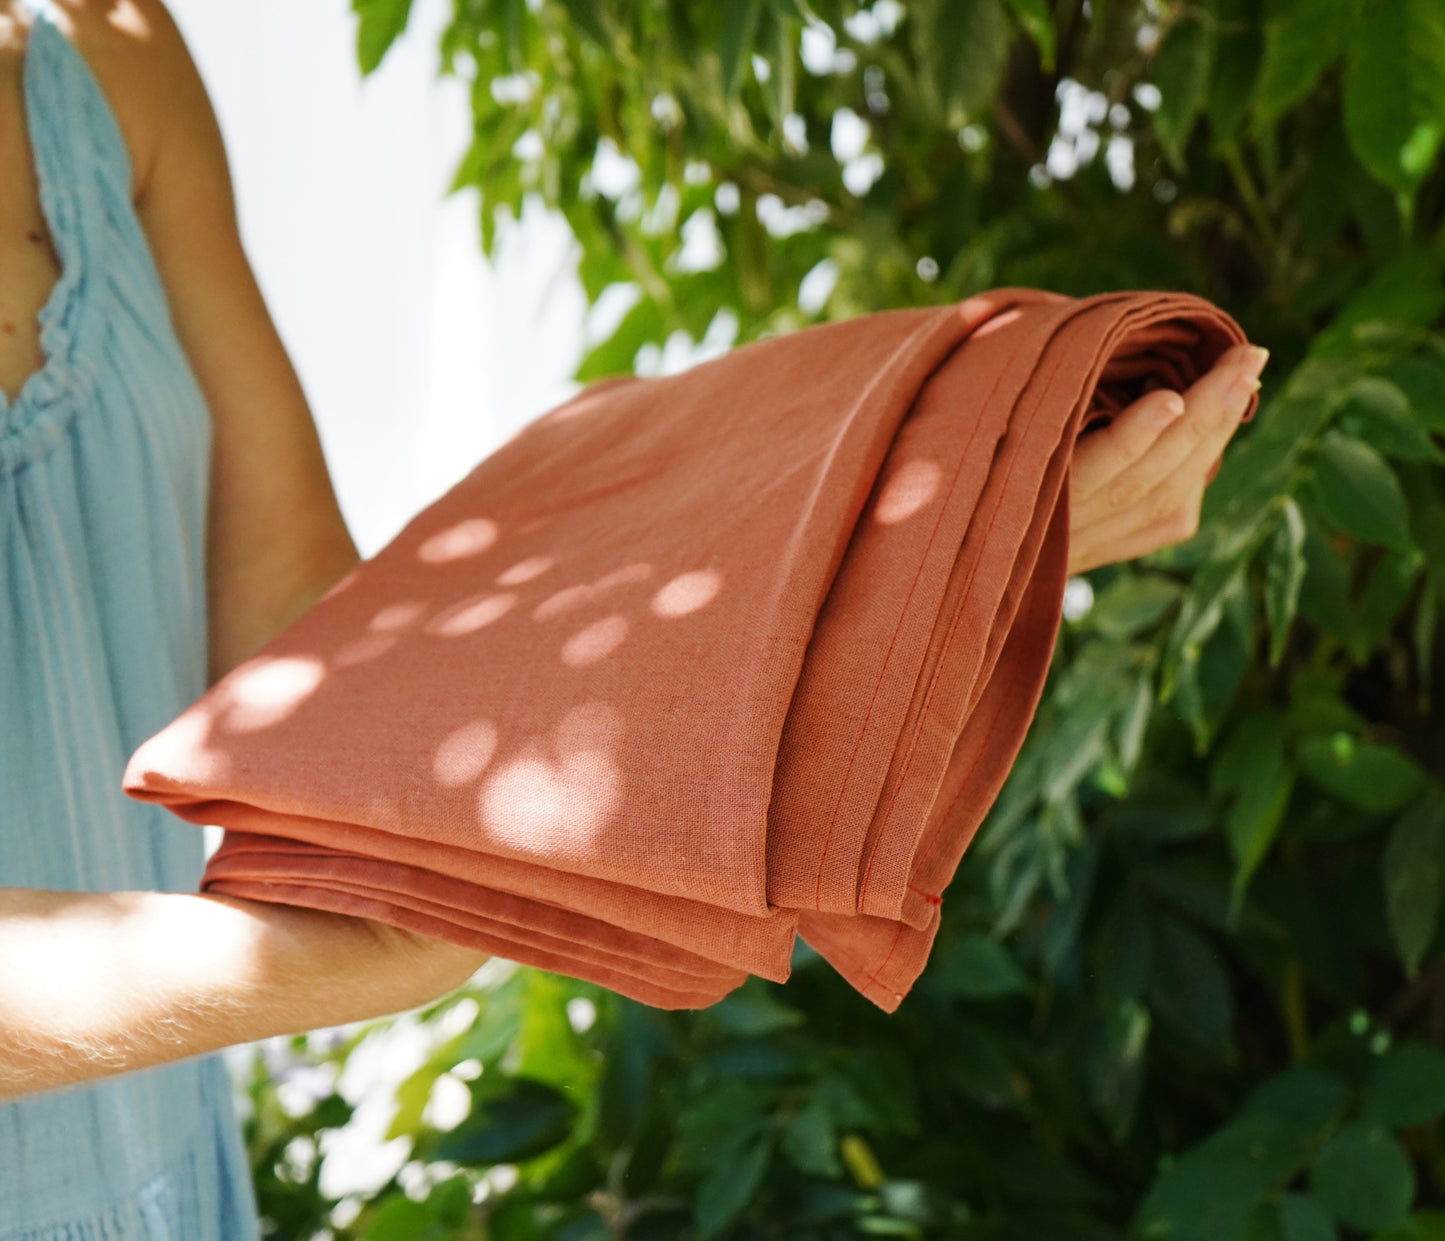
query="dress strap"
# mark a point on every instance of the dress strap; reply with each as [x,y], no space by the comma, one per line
[83,172]
[73,129]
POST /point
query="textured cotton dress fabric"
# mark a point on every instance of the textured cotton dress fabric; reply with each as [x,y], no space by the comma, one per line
[103,473]
[693,664]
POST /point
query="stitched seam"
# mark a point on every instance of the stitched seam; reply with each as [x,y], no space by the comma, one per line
[947,646]
[897,936]
[887,658]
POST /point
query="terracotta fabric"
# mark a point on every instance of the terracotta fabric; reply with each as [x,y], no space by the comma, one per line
[692,664]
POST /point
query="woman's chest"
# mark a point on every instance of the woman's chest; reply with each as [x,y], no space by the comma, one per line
[29,262]
[29,267]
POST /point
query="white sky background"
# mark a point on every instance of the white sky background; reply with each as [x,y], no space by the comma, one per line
[418,359]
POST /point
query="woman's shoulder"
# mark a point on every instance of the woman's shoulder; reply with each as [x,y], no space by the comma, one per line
[139,59]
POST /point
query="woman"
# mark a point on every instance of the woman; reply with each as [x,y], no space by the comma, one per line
[164,510]
[121,380]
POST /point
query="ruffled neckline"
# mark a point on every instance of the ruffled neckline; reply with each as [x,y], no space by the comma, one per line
[62,371]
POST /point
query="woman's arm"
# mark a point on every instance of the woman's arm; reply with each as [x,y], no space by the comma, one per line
[276,538]
[98,983]
[101,983]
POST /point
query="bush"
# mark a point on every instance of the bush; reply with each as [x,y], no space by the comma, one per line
[1190,982]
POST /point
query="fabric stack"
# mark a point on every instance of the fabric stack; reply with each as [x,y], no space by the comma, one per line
[693,664]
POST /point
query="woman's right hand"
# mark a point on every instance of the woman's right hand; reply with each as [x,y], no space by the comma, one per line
[1137,484]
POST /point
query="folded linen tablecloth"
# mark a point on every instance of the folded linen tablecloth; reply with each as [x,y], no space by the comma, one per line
[692,664]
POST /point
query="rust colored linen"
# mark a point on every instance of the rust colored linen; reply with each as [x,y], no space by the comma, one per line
[692,664]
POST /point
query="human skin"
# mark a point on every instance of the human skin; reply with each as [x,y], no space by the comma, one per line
[1137,485]
[93,984]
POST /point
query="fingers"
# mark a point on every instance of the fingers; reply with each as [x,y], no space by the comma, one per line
[1130,489]
[1104,454]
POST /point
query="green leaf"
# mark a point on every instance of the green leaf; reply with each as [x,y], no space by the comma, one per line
[586,15]
[1392,583]
[616,354]
[1182,73]
[1035,18]
[1251,765]
[411,1100]
[751,1011]
[1375,777]
[450,1201]
[1422,1226]
[1118,1056]
[1199,616]
[1406,292]
[1412,874]
[511,1120]
[1133,601]
[1379,413]
[1209,1193]
[1284,574]
[1394,105]
[1236,68]
[379,23]
[1134,722]
[977,967]
[731,1117]
[399,1219]
[967,43]
[811,1143]
[1300,43]
[1305,1096]
[1405,1087]
[1422,380]
[1303,1219]
[740,24]
[728,1188]
[1358,492]
[1324,594]
[1364,1178]
[1190,989]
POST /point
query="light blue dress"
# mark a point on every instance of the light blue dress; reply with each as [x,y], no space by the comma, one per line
[103,480]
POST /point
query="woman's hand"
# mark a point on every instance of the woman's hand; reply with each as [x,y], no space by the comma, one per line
[1137,484]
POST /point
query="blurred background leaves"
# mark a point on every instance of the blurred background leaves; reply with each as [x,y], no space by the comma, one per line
[1191,979]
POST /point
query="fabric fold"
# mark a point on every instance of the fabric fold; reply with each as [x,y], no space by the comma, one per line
[692,664]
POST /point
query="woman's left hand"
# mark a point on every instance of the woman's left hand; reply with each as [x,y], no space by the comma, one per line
[1137,484]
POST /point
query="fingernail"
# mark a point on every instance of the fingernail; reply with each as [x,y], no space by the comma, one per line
[1172,405]
[1244,386]
[1252,361]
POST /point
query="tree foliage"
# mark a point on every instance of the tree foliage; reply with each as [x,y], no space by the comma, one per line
[1191,977]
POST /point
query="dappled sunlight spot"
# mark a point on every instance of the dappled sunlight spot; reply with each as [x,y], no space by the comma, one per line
[540,803]
[185,745]
[591,726]
[270,690]
[687,593]
[628,575]
[129,20]
[397,616]
[566,600]
[464,755]
[907,491]
[586,402]
[563,601]
[370,647]
[526,570]
[470,615]
[466,538]
[999,321]
[596,641]
[570,598]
